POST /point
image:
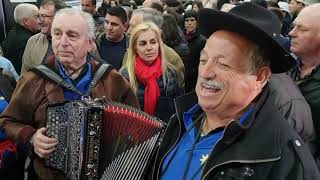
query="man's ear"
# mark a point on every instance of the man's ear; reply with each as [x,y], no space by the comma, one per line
[126,25]
[25,22]
[263,74]
[92,45]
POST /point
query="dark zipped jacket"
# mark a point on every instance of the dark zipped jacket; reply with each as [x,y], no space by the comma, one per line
[264,147]
[169,89]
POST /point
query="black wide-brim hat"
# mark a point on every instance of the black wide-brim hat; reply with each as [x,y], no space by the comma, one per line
[254,23]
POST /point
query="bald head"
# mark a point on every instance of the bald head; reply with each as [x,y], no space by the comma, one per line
[312,10]
[305,36]
[148,3]
[145,15]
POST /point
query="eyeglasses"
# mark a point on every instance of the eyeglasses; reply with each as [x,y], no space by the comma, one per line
[42,16]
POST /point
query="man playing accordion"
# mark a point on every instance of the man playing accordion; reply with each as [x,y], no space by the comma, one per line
[24,119]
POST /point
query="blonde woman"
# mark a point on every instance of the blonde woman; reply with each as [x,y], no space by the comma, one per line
[151,76]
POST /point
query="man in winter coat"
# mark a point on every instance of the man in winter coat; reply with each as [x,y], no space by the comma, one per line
[24,119]
[25,16]
[305,44]
[230,128]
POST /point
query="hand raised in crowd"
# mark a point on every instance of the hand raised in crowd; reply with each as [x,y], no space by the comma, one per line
[43,145]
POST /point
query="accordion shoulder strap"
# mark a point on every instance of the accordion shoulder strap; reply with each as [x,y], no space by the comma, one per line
[56,78]
[99,73]
[60,81]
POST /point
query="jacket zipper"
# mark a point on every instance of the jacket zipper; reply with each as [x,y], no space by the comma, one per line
[238,161]
[158,171]
[216,145]
[241,161]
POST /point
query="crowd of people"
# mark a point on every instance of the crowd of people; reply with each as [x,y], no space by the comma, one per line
[236,82]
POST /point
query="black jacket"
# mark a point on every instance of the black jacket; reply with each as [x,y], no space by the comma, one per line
[264,147]
[310,89]
[15,44]
[196,43]
[292,105]
[182,50]
[168,91]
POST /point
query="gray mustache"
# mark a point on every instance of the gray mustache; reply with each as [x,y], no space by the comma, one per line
[211,83]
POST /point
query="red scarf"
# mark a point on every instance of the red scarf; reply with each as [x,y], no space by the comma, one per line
[147,75]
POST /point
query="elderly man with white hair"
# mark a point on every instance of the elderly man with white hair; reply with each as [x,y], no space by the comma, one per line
[25,16]
[24,119]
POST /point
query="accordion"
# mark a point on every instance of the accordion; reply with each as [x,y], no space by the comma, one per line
[101,139]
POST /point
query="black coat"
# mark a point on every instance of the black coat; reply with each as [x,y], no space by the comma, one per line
[263,148]
[168,91]
[183,51]
[195,43]
[15,44]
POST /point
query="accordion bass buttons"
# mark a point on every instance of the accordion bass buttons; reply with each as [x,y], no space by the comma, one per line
[95,117]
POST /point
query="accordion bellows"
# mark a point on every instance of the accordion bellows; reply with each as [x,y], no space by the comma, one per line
[101,139]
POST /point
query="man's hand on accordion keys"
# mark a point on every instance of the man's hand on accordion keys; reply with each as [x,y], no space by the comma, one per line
[43,145]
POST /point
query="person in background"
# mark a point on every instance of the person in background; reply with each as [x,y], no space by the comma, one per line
[151,76]
[90,6]
[172,38]
[104,7]
[295,7]
[305,44]
[8,69]
[145,15]
[12,157]
[179,18]
[196,43]
[39,46]
[197,5]
[154,4]
[282,40]
[113,43]
[287,20]
[25,16]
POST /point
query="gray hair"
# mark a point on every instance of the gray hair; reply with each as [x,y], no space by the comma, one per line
[149,14]
[259,59]
[86,16]
[24,10]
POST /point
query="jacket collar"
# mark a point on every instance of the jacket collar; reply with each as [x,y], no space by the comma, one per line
[258,140]
[185,102]
[193,35]
[247,149]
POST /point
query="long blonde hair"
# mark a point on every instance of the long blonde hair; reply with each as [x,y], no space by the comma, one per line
[129,61]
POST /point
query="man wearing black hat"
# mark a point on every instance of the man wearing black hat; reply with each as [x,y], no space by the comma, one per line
[230,128]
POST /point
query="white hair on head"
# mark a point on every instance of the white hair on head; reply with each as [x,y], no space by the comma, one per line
[86,16]
[150,15]
[24,10]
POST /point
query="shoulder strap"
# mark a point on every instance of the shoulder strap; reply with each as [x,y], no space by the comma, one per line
[99,73]
[56,78]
